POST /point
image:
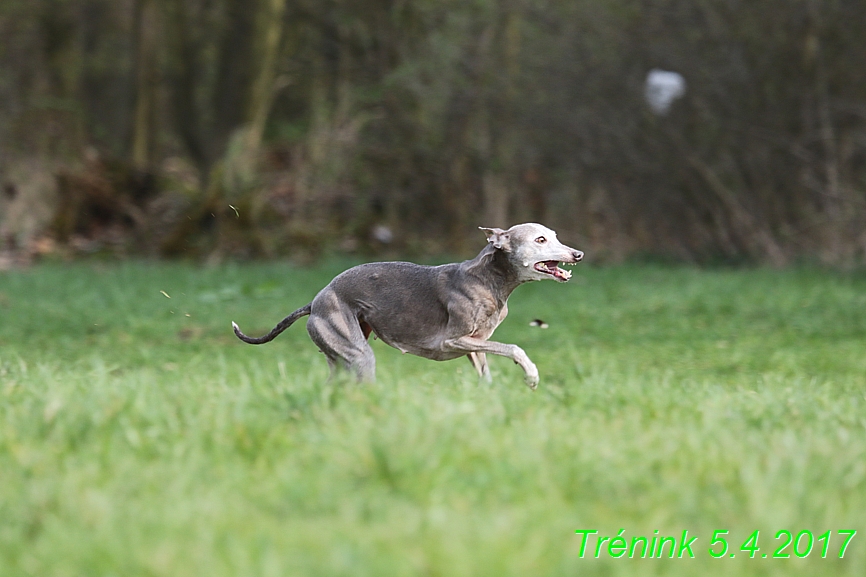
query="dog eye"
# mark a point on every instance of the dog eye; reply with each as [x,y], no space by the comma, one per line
[541,240]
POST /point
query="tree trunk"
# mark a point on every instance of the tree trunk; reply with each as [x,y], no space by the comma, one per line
[144,129]
[184,79]
[262,96]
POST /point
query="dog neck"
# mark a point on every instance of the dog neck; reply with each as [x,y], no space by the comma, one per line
[495,270]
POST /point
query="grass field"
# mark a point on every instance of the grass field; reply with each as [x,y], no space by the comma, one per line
[138,437]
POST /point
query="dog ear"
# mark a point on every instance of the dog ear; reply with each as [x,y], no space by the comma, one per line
[497,237]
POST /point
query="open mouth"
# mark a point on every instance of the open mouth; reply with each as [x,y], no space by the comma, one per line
[551,267]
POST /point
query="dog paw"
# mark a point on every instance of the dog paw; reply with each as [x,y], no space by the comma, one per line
[531,381]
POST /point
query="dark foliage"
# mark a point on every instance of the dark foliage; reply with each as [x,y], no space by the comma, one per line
[266,127]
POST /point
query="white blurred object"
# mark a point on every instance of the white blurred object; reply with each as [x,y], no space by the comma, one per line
[382,233]
[662,88]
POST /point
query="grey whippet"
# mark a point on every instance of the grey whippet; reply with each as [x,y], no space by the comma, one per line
[436,312]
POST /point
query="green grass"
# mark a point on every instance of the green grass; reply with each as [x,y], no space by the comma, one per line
[138,437]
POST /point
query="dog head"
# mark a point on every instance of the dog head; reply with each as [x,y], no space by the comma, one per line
[534,251]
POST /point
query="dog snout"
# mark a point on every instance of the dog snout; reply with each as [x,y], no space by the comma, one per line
[578,255]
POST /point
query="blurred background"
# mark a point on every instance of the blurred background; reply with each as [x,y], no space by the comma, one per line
[691,130]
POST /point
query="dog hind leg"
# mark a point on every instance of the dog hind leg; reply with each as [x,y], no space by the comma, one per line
[340,337]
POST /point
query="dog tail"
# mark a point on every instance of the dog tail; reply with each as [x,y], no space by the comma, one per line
[283,325]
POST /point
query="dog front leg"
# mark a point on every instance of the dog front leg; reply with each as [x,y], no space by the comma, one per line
[469,345]
[479,361]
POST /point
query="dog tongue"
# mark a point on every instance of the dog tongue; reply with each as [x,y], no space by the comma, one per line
[553,267]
